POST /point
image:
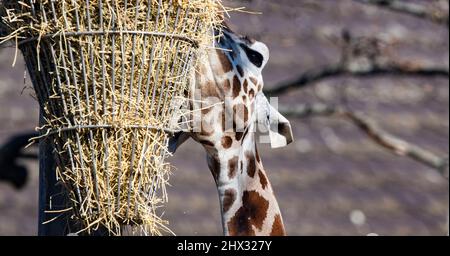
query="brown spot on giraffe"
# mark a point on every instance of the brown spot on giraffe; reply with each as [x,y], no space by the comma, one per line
[236,86]
[226,85]
[251,164]
[222,121]
[240,112]
[262,179]
[232,167]
[228,199]
[239,135]
[245,86]
[254,80]
[251,94]
[209,89]
[277,227]
[227,141]
[224,61]
[251,214]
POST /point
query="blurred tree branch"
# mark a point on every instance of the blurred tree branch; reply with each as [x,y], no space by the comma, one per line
[414,9]
[335,70]
[374,132]
[360,57]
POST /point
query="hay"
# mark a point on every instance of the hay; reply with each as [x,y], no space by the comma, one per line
[109,76]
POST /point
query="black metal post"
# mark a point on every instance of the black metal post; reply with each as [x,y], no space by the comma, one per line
[53,220]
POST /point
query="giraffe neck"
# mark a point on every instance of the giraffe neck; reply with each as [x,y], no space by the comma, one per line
[248,204]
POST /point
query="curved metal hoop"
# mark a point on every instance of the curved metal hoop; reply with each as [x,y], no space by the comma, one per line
[112,32]
[51,132]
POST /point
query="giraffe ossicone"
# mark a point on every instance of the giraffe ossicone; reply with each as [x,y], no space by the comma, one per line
[228,108]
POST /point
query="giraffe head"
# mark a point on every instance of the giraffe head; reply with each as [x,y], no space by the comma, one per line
[228,101]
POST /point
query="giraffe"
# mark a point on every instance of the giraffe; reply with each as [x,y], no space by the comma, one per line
[232,77]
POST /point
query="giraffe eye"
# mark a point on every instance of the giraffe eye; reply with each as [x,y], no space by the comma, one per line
[255,57]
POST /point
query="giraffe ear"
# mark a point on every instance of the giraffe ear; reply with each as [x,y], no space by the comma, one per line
[263,50]
[177,140]
[278,127]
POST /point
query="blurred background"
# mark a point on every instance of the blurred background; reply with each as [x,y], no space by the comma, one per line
[366,89]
